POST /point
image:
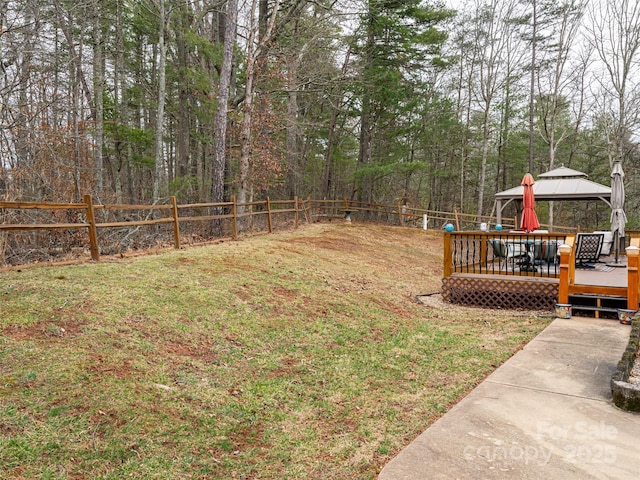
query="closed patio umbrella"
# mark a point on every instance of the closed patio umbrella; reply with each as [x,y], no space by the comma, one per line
[529,221]
[618,217]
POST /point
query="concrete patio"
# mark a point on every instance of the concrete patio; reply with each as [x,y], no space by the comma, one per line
[544,414]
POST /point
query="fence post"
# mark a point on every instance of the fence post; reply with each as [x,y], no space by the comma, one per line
[295,206]
[632,277]
[234,218]
[310,208]
[347,210]
[176,223]
[269,224]
[306,213]
[455,215]
[93,230]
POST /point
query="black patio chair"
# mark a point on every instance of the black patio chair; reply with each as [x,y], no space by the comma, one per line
[588,248]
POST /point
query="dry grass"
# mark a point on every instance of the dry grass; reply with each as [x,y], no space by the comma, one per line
[301,354]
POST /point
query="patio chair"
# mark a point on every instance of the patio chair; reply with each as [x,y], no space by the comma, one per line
[546,251]
[588,248]
[607,244]
[507,252]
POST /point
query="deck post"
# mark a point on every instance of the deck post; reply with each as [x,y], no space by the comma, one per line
[563,289]
[484,252]
[632,277]
[448,255]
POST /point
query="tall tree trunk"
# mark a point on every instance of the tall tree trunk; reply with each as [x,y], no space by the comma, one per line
[245,129]
[365,149]
[483,161]
[76,75]
[119,81]
[335,110]
[505,128]
[293,150]
[162,55]
[220,122]
[24,157]
[183,120]
[66,27]
[532,84]
[98,89]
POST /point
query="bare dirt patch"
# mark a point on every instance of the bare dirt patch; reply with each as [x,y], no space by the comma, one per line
[50,330]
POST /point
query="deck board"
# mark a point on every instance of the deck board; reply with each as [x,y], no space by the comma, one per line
[617,277]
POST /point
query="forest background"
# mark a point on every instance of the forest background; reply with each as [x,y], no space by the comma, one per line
[381,101]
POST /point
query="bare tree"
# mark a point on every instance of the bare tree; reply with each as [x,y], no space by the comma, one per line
[336,98]
[220,122]
[259,41]
[467,49]
[494,32]
[580,85]
[162,65]
[554,80]
[532,83]
[255,47]
[553,86]
[98,93]
[615,35]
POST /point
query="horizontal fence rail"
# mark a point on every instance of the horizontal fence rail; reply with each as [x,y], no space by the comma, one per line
[217,220]
[32,232]
[403,215]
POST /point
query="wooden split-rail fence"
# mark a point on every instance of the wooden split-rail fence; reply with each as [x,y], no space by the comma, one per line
[94,217]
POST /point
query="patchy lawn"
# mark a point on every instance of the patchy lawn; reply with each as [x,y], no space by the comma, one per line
[301,354]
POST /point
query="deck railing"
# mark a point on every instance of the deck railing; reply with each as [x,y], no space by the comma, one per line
[503,253]
[543,255]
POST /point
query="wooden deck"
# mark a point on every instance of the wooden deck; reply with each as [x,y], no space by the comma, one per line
[603,275]
[476,272]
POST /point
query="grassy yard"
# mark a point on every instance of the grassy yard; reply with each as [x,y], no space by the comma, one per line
[297,355]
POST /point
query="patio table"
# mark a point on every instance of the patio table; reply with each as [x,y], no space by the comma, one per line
[527,264]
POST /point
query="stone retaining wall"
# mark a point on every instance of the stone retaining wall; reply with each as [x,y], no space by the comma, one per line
[626,395]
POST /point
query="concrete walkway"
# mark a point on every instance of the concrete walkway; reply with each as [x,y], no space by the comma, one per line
[545,414]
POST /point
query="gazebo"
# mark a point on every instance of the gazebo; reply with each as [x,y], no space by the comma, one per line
[559,184]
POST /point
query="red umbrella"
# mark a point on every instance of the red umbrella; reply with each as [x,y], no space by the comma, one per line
[529,221]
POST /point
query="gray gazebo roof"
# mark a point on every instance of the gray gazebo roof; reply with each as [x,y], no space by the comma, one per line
[560,184]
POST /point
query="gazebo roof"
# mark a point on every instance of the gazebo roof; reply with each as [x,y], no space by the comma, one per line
[563,172]
[561,184]
[558,184]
